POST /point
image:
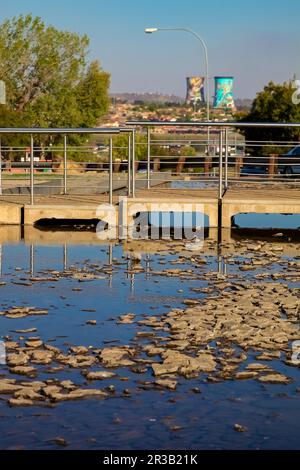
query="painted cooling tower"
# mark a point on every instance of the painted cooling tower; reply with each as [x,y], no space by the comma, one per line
[195,90]
[223,93]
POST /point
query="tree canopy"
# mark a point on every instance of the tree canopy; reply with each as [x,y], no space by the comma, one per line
[274,104]
[48,80]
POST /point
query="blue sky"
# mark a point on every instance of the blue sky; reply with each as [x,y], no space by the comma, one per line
[256,41]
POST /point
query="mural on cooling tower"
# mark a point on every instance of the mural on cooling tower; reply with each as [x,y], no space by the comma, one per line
[195,90]
[223,93]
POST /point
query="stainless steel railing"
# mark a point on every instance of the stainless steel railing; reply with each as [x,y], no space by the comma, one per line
[243,167]
[110,132]
[226,160]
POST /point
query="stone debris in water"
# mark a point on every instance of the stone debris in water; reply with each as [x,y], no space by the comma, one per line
[11,345]
[256,366]
[80,350]
[68,385]
[99,375]
[41,357]
[76,361]
[8,386]
[213,337]
[188,366]
[240,428]
[34,343]
[17,359]
[29,330]
[248,316]
[275,378]
[20,402]
[117,356]
[127,319]
[84,277]
[60,441]
[50,347]
[24,370]
[167,383]
[269,356]
[20,312]
[31,393]
[246,375]
[82,393]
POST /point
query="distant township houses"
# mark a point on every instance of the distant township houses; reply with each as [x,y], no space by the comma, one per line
[120,113]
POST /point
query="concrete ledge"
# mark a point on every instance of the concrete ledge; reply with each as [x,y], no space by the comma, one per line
[209,206]
[232,208]
[10,214]
[56,211]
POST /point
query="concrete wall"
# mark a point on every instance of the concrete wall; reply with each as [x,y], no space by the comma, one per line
[232,208]
[10,214]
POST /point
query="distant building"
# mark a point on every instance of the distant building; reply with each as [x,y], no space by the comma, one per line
[195,91]
[224,93]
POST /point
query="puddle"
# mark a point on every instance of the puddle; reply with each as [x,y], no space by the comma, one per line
[79,281]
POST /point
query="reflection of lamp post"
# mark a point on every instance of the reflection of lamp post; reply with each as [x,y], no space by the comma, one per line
[154,30]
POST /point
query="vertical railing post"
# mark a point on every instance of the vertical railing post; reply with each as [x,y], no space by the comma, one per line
[207,166]
[129,166]
[226,159]
[65,165]
[110,184]
[148,156]
[208,140]
[31,170]
[1,168]
[238,165]
[221,165]
[273,165]
[133,163]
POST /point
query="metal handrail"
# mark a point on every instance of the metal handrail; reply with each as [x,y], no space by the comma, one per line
[60,131]
[223,137]
[220,146]
[33,131]
[211,124]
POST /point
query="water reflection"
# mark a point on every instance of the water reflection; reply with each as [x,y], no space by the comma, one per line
[141,417]
[219,244]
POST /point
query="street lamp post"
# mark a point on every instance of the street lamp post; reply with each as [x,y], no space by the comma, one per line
[199,38]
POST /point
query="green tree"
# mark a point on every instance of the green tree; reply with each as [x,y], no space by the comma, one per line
[273,104]
[120,144]
[10,118]
[48,80]
[188,151]
[92,95]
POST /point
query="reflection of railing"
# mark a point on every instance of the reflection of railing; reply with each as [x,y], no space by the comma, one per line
[32,257]
[63,251]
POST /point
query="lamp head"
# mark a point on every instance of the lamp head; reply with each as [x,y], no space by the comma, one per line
[151,30]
